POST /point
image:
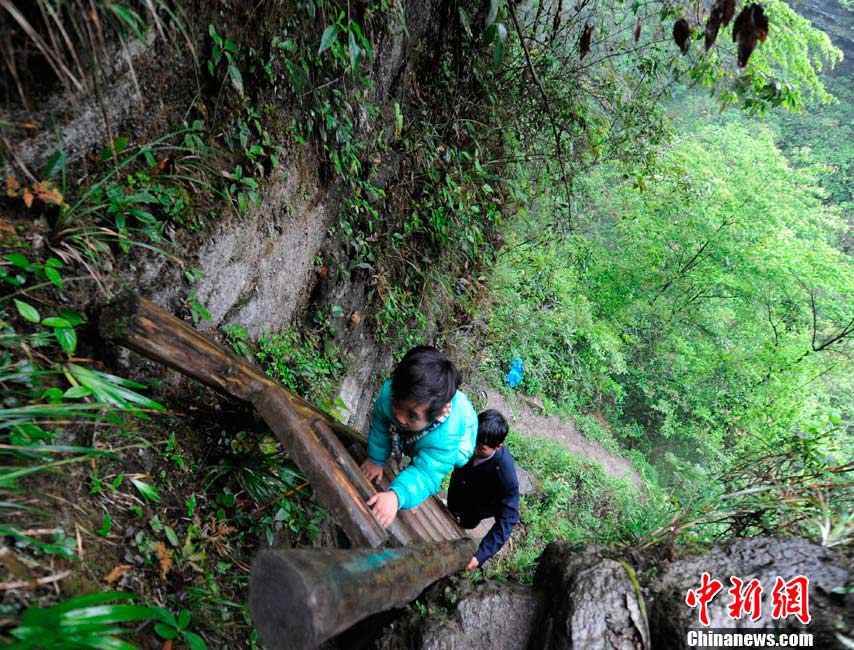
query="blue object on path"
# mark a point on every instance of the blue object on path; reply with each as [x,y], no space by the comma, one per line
[515,374]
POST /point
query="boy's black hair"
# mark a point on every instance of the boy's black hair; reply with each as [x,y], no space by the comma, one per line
[491,428]
[425,376]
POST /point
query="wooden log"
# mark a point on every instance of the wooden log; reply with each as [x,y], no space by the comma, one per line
[325,472]
[129,319]
[299,598]
[142,326]
[399,534]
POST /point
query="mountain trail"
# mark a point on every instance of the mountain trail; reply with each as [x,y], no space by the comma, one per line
[521,413]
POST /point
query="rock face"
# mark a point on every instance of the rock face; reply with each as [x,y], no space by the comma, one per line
[595,602]
[257,270]
[485,617]
[490,618]
[587,598]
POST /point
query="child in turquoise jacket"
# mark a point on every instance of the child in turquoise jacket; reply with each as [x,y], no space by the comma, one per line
[422,413]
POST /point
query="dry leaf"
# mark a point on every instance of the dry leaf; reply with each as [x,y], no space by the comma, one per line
[161,165]
[28,125]
[12,186]
[47,192]
[165,557]
[117,572]
[5,226]
[28,197]
[356,318]
[585,40]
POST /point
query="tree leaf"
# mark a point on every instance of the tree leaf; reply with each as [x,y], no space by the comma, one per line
[490,34]
[104,530]
[55,321]
[55,164]
[76,392]
[71,316]
[19,260]
[148,492]
[165,631]
[355,53]
[53,275]
[500,49]
[493,13]
[328,38]
[27,311]
[171,536]
[67,338]
[236,78]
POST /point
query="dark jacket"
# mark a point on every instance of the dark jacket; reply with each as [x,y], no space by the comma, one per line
[489,489]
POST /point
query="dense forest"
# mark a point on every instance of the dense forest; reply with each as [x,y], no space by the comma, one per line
[650,207]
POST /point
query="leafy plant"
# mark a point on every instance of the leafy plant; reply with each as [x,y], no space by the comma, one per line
[110,389]
[148,492]
[95,621]
[242,189]
[63,545]
[197,310]
[302,361]
[238,339]
[225,51]
[274,485]
[22,268]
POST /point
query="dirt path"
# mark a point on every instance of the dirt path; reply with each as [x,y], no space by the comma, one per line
[526,420]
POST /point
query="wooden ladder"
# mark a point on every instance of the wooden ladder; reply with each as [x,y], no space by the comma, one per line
[306,602]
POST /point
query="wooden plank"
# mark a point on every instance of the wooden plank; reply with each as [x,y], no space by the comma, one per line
[432,507]
[305,430]
[427,512]
[457,531]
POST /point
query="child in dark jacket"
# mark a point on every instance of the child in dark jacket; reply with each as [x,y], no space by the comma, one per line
[486,486]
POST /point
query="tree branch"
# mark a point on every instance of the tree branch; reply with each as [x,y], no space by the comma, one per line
[555,131]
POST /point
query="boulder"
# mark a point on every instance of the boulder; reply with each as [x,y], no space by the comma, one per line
[588,597]
[528,484]
[829,574]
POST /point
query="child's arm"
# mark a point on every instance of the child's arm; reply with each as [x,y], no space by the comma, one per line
[505,519]
[423,478]
[430,466]
[379,441]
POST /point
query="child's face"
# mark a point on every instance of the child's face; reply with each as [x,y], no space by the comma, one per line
[485,451]
[410,415]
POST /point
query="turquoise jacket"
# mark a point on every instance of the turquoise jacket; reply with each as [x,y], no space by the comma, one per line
[449,445]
